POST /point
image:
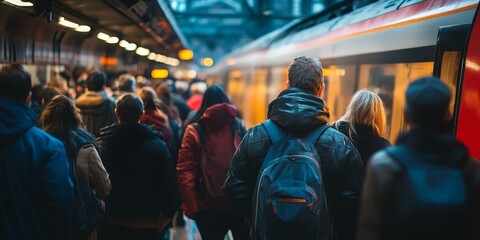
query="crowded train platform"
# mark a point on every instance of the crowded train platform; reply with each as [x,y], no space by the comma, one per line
[239,119]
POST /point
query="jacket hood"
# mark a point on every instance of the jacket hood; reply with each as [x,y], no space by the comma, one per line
[15,119]
[297,111]
[218,116]
[127,133]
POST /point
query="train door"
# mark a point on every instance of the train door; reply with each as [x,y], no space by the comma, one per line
[468,120]
[449,56]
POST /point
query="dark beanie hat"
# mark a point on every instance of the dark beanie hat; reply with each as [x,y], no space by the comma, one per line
[427,102]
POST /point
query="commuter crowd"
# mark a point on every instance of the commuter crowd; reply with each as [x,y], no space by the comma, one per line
[91,157]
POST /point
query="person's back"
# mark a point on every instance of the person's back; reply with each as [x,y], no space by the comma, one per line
[365,124]
[426,186]
[299,111]
[36,195]
[141,172]
[96,107]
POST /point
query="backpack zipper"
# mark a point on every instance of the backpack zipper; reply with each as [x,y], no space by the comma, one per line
[260,183]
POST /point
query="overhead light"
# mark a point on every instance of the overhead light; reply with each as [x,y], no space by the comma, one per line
[173,62]
[142,51]
[103,36]
[131,47]
[207,62]
[123,43]
[185,54]
[112,40]
[152,56]
[62,21]
[159,73]
[19,3]
[83,28]
[161,58]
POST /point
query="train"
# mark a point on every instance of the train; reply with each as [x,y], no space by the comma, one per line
[382,46]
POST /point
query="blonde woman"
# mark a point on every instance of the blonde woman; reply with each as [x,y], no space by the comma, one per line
[365,124]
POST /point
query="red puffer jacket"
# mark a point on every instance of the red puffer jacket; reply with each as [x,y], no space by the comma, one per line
[215,118]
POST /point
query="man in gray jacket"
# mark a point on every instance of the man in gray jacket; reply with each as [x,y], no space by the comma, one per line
[299,110]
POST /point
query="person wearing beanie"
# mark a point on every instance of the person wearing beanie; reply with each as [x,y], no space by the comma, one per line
[426,186]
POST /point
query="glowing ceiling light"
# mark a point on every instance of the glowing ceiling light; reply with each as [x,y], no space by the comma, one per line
[83,28]
[152,56]
[207,62]
[103,36]
[20,3]
[123,43]
[161,58]
[185,54]
[112,40]
[131,47]
[160,73]
[142,51]
[62,21]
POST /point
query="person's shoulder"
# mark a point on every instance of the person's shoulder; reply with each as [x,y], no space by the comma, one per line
[43,140]
[332,135]
[383,161]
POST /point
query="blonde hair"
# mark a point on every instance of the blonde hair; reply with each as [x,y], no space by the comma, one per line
[366,107]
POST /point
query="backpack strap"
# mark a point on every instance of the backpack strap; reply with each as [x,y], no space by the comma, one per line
[275,133]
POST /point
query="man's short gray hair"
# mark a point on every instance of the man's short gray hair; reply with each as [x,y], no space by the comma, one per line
[306,74]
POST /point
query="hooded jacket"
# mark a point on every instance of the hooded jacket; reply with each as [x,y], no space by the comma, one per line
[36,197]
[376,220]
[97,109]
[216,118]
[299,113]
[141,172]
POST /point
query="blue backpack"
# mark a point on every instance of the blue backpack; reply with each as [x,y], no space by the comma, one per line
[289,197]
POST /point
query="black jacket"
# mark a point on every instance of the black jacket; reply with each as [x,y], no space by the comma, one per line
[365,140]
[36,193]
[299,113]
[141,171]
[377,220]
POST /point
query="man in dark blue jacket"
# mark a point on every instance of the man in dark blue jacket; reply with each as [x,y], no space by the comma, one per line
[36,198]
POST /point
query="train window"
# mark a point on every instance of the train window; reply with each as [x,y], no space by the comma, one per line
[277,82]
[236,88]
[257,96]
[390,81]
[450,71]
[339,81]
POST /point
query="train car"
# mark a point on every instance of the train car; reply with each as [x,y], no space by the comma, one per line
[382,46]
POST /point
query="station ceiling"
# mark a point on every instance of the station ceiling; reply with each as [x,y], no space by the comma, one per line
[214,28]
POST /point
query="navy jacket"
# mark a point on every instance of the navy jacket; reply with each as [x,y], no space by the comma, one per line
[36,197]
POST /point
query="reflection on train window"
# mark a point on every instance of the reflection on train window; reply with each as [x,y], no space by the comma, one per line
[450,73]
[257,96]
[339,88]
[236,87]
[390,81]
[277,82]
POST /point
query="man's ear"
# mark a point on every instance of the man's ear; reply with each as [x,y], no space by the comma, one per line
[288,83]
[321,90]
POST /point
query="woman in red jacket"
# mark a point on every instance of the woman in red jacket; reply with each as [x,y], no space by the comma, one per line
[210,140]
